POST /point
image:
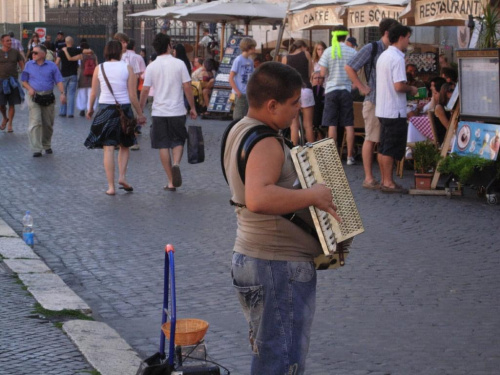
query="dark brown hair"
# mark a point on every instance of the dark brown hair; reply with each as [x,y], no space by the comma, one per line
[113,50]
[273,80]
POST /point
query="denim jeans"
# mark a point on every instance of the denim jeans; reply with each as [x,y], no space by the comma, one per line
[69,83]
[278,300]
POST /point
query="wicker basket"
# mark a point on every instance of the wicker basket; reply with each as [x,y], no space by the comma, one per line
[187,331]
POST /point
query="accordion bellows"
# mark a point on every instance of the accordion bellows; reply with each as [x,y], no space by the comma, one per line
[319,162]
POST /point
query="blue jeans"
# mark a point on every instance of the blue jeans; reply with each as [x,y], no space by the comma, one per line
[69,83]
[278,300]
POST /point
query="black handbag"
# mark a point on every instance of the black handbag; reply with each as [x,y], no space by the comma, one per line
[196,145]
[44,100]
[128,124]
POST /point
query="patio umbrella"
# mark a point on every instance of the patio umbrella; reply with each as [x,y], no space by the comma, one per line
[240,11]
[169,11]
[369,13]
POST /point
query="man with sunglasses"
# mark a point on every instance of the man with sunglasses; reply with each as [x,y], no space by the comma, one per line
[10,91]
[39,78]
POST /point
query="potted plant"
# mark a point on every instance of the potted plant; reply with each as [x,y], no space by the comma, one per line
[425,158]
[470,170]
[491,23]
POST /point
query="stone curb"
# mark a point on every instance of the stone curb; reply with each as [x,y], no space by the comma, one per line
[101,345]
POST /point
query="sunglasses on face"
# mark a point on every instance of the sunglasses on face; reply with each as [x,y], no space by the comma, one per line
[34,53]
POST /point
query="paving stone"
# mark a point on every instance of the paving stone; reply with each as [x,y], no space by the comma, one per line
[418,293]
[6,231]
[103,347]
[27,265]
[15,248]
[30,344]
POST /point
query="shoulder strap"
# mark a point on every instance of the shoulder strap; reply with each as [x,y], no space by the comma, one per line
[372,60]
[251,138]
[107,83]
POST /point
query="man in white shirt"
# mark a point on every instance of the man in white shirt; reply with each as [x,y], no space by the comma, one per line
[170,80]
[391,105]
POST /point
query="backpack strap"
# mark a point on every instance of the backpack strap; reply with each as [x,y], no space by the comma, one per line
[372,60]
[250,139]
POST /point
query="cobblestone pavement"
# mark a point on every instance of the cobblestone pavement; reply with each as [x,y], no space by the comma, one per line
[30,344]
[418,295]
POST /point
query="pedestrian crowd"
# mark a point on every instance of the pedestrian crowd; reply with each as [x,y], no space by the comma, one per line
[309,94]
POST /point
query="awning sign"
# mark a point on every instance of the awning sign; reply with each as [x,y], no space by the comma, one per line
[370,15]
[319,16]
[427,11]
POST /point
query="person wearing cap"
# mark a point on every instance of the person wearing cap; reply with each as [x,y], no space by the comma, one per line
[351,42]
[60,42]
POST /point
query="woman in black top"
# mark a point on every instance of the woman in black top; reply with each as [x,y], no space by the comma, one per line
[300,59]
[442,116]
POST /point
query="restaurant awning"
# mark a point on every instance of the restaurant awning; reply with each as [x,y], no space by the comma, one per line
[441,12]
[369,13]
[318,17]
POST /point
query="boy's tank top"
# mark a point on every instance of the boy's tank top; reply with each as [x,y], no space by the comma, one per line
[270,237]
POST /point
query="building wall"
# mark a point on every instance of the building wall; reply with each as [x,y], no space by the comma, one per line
[19,11]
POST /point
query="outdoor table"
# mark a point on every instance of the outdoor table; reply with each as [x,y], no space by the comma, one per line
[419,129]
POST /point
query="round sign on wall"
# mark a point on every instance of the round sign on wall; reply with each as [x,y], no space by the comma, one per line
[41,31]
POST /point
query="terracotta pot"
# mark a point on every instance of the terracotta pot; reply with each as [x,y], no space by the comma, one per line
[423,181]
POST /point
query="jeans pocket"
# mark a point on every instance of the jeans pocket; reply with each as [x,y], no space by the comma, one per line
[302,271]
[251,300]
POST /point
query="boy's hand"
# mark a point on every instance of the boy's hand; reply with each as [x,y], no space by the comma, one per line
[324,200]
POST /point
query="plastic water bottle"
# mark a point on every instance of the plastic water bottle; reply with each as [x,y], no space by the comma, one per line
[28,229]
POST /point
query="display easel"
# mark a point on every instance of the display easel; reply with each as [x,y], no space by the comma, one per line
[444,152]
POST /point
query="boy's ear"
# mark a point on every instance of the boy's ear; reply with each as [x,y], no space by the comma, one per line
[271,106]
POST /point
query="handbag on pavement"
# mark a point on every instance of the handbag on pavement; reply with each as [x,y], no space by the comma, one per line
[128,124]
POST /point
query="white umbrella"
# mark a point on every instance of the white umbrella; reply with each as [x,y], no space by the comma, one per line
[377,2]
[160,12]
[246,11]
[315,3]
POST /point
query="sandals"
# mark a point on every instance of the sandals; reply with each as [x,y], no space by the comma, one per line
[397,189]
[374,185]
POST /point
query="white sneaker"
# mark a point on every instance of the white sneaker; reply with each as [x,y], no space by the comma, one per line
[135,147]
[351,160]
[409,153]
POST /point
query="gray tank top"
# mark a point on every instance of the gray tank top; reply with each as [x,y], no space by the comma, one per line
[270,237]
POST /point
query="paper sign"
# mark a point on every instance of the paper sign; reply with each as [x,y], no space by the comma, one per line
[475,138]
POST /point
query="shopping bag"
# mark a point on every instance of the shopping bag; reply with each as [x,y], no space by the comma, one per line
[196,146]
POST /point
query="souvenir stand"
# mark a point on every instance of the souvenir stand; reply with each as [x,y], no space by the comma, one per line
[221,99]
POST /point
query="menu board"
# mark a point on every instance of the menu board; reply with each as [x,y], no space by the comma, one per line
[219,101]
[480,88]
[425,62]
[477,138]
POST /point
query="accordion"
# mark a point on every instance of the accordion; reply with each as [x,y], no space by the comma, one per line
[319,162]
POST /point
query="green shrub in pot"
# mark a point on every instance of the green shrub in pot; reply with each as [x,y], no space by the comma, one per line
[425,157]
